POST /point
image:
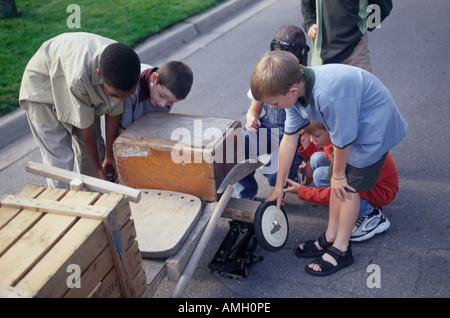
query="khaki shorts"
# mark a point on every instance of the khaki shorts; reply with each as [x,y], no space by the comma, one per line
[361,179]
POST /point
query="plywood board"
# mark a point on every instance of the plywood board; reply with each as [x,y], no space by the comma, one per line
[163,221]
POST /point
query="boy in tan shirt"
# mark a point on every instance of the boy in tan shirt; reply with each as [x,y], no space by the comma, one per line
[72,80]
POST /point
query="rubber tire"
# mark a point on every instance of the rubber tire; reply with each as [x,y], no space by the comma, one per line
[266,240]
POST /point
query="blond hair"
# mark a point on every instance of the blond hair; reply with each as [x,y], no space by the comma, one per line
[274,74]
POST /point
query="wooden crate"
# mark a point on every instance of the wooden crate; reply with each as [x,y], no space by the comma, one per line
[45,232]
[181,153]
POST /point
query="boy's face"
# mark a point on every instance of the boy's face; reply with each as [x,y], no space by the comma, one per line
[283,101]
[320,137]
[117,93]
[160,95]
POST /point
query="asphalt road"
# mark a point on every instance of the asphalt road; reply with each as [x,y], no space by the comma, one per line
[410,54]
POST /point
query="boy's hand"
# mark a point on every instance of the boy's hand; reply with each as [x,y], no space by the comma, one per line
[292,186]
[109,169]
[252,124]
[306,173]
[305,139]
[312,32]
[276,195]
[339,187]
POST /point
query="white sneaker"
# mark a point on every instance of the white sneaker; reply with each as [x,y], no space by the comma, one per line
[366,227]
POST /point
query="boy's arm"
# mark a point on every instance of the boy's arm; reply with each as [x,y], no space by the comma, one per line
[127,115]
[111,132]
[310,194]
[253,115]
[288,148]
[90,142]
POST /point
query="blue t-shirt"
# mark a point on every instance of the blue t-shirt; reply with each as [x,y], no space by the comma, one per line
[355,108]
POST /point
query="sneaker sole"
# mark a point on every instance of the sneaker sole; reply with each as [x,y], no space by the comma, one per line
[379,229]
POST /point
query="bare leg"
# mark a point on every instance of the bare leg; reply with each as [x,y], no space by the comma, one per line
[342,218]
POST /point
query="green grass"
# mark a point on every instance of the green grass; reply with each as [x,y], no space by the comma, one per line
[122,20]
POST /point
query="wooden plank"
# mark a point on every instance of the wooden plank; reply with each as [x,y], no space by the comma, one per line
[133,259]
[29,191]
[163,221]
[80,245]
[109,287]
[176,263]
[14,292]
[17,227]
[89,183]
[56,207]
[21,256]
[113,223]
[96,271]
[128,233]
[241,210]
[155,271]
[140,281]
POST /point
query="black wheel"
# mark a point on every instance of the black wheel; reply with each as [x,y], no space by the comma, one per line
[271,226]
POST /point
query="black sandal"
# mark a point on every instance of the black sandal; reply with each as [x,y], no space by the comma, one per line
[310,249]
[343,260]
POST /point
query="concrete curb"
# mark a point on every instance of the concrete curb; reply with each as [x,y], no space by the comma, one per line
[15,125]
[188,30]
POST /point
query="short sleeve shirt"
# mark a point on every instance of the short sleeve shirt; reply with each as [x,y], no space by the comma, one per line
[62,73]
[355,108]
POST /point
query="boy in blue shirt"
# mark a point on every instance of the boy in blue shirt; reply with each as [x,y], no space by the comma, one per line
[364,124]
[269,128]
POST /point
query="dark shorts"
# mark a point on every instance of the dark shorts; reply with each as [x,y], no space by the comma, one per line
[361,179]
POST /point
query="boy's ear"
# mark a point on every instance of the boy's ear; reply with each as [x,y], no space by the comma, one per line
[97,71]
[154,77]
[294,89]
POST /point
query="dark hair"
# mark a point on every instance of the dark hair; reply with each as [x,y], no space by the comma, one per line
[177,77]
[296,41]
[120,66]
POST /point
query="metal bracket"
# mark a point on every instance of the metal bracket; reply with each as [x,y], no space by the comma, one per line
[232,259]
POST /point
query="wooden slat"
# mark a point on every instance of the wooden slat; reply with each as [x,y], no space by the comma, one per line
[29,191]
[155,271]
[109,287]
[241,210]
[24,254]
[176,263]
[80,245]
[89,183]
[113,223]
[96,271]
[55,207]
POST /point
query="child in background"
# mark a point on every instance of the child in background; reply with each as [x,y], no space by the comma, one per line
[317,149]
[157,91]
[270,127]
